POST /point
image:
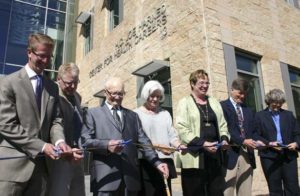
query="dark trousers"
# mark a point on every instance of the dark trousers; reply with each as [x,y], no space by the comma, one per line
[121,191]
[153,181]
[205,182]
[281,175]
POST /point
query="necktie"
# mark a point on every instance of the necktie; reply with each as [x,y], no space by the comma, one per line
[240,119]
[117,117]
[38,90]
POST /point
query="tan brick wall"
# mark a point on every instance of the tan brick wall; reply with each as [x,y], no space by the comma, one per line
[196,30]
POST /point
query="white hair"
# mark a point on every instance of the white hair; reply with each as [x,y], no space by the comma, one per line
[150,87]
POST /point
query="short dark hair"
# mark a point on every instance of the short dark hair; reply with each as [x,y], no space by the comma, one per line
[240,84]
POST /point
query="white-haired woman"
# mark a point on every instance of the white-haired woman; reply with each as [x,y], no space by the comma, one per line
[277,128]
[157,124]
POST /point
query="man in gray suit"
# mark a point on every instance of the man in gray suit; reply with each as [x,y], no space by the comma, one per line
[115,169]
[29,121]
[67,177]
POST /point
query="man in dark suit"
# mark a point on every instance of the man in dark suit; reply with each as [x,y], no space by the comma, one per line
[67,177]
[239,160]
[29,121]
[276,127]
[115,169]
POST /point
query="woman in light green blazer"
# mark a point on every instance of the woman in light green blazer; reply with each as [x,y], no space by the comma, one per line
[201,125]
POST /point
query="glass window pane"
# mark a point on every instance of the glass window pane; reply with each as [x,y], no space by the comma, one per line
[294,76]
[296,96]
[57,5]
[36,2]
[4,15]
[254,98]
[25,19]
[56,20]
[1,68]
[246,64]
[8,69]
[55,29]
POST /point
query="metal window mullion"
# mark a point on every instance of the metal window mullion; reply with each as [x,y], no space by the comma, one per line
[248,73]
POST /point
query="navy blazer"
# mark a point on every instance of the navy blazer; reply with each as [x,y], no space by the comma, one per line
[235,135]
[265,130]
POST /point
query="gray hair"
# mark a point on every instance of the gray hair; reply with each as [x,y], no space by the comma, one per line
[68,68]
[150,87]
[275,96]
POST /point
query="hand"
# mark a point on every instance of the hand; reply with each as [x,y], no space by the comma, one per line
[275,146]
[225,145]
[115,146]
[163,168]
[49,151]
[77,154]
[210,146]
[292,146]
[259,144]
[66,150]
[250,143]
[182,149]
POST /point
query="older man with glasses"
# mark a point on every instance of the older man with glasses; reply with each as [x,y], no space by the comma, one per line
[108,130]
[67,177]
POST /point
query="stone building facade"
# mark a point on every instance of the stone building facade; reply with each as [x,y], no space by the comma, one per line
[168,39]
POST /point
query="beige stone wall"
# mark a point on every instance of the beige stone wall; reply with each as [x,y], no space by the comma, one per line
[196,30]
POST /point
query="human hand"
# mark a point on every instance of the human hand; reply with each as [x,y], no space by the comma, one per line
[66,150]
[224,145]
[77,154]
[163,168]
[50,151]
[292,146]
[210,146]
[250,143]
[115,146]
[275,145]
[259,144]
[182,149]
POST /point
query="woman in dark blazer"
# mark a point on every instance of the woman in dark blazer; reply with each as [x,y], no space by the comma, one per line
[277,130]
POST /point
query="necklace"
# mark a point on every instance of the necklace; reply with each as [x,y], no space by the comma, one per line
[207,124]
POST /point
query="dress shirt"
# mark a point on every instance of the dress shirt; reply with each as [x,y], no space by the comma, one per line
[32,76]
[118,108]
[235,105]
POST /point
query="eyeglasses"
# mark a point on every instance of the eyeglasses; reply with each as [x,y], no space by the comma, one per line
[42,56]
[115,94]
[75,82]
[203,83]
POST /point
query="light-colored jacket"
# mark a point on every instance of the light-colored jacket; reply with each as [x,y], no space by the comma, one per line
[188,126]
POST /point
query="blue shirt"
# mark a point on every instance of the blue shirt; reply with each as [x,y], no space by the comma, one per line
[276,120]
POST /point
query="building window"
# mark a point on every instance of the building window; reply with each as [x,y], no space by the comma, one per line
[87,36]
[294,75]
[248,69]
[115,8]
[246,65]
[294,3]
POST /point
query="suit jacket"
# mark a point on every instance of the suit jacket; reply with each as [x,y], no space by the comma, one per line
[109,168]
[67,111]
[265,131]
[23,130]
[231,117]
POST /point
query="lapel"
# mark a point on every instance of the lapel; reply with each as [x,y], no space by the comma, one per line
[231,109]
[45,98]
[26,84]
[283,121]
[269,120]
